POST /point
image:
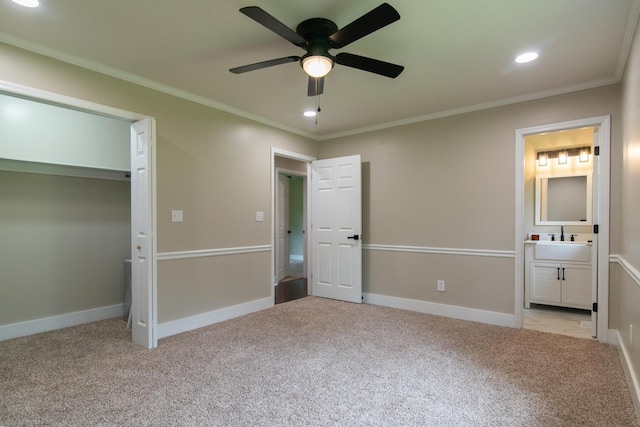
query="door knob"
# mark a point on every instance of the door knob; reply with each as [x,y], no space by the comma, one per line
[354,237]
[138,247]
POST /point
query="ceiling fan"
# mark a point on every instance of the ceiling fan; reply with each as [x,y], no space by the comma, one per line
[317,36]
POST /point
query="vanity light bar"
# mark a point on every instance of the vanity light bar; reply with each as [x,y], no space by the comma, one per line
[569,152]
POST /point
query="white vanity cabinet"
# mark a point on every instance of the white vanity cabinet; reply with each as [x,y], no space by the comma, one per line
[558,274]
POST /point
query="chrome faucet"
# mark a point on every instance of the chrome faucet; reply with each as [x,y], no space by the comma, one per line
[562,233]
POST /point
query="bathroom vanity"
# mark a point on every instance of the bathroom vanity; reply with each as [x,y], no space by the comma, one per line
[558,273]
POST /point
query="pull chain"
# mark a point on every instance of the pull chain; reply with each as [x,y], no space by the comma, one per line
[318,106]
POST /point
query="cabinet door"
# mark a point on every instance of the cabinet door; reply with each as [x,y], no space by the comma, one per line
[576,286]
[545,286]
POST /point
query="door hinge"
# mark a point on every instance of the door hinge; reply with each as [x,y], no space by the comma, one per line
[595,228]
[595,307]
[596,150]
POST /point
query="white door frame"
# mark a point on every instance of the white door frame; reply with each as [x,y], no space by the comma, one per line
[278,152]
[604,122]
[79,104]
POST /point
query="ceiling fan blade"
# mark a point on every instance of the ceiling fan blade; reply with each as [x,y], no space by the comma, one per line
[316,86]
[369,64]
[262,17]
[379,17]
[264,64]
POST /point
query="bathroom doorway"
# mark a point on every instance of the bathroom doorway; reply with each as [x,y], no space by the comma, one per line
[543,303]
[558,166]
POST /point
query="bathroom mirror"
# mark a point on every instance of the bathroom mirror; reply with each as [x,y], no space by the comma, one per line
[564,200]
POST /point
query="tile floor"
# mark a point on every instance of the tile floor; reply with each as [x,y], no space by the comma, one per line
[558,320]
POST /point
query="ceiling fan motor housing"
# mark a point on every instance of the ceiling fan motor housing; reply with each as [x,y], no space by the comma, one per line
[317,31]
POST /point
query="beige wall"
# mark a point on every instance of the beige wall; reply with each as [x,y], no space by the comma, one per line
[450,183]
[625,286]
[213,165]
[63,241]
[446,183]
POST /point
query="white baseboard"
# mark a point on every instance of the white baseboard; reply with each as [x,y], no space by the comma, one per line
[456,312]
[205,319]
[30,327]
[616,339]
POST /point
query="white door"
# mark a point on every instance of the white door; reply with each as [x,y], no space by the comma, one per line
[282,227]
[143,300]
[336,227]
[595,215]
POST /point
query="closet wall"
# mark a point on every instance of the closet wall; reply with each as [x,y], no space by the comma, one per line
[64,233]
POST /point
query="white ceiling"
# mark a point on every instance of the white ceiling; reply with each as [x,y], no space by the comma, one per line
[458,54]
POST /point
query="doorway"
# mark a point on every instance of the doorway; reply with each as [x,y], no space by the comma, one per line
[559,193]
[531,154]
[143,203]
[291,277]
[290,267]
[333,245]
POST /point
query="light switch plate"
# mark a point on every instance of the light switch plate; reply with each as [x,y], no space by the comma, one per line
[176,216]
[259,216]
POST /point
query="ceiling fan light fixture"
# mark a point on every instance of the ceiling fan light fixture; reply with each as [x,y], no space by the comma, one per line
[317,66]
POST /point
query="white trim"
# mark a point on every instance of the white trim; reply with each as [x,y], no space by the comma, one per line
[627,365]
[205,319]
[202,253]
[63,170]
[604,189]
[627,267]
[519,232]
[604,122]
[69,102]
[455,312]
[442,251]
[46,324]
[278,152]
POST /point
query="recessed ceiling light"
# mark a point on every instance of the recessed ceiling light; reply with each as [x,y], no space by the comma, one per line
[526,57]
[309,113]
[27,3]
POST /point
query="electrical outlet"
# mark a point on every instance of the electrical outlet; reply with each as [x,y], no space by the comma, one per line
[259,216]
[176,216]
[630,334]
[440,285]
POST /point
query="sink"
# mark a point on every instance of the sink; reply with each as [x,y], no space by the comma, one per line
[563,251]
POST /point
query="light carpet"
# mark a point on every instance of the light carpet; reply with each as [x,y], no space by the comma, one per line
[314,362]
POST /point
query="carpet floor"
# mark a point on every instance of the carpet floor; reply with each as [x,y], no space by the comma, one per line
[314,362]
